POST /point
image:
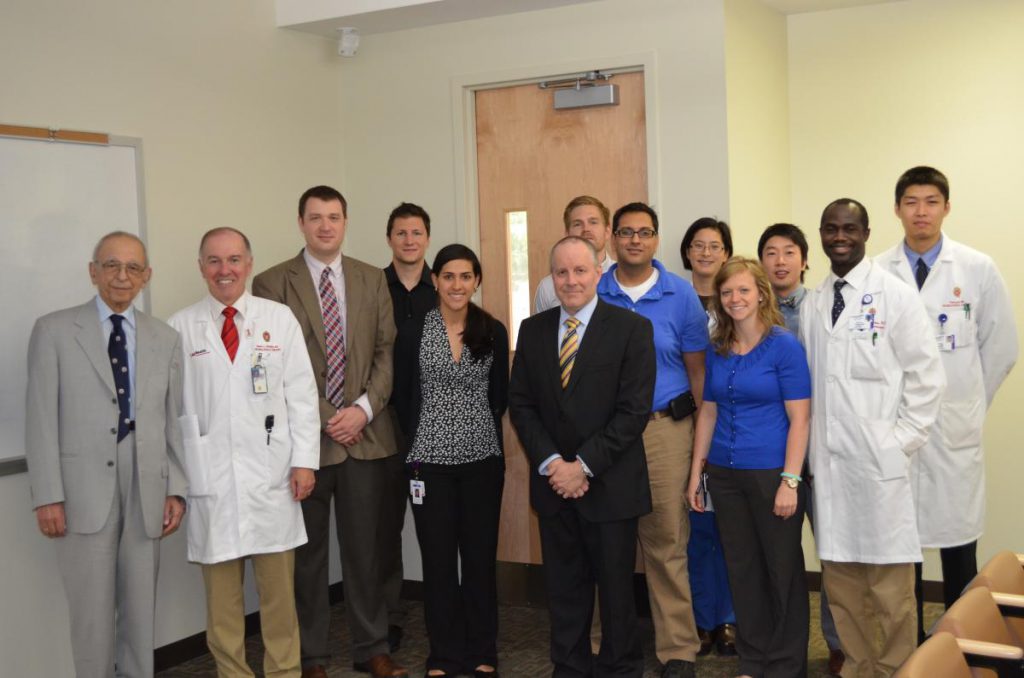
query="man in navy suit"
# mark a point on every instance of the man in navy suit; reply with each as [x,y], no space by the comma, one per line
[580,395]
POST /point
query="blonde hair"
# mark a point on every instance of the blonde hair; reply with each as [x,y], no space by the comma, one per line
[724,332]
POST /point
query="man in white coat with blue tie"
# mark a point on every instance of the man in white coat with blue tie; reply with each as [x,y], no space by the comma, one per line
[972,322]
[251,429]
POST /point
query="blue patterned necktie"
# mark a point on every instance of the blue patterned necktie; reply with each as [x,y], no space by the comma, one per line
[117,349]
[838,304]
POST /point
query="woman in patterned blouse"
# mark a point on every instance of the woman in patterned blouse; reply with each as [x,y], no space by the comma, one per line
[451,391]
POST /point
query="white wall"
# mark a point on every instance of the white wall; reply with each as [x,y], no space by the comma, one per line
[756,76]
[878,89]
[401,131]
[237,118]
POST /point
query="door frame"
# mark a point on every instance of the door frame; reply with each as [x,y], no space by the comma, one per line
[463,89]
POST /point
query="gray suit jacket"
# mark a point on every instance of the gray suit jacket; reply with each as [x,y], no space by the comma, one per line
[369,341]
[72,413]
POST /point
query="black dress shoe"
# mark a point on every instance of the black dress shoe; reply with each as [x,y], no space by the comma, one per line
[394,638]
[705,641]
[725,640]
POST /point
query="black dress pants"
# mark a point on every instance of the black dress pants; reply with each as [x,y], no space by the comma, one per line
[959,565]
[458,520]
[577,555]
[765,562]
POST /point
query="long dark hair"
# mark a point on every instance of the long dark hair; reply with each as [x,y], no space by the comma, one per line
[477,335]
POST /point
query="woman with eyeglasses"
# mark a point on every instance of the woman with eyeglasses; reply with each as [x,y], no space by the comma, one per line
[451,390]
[752,432]
[707,245]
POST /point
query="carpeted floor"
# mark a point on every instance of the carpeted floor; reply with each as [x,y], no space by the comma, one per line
[523,647]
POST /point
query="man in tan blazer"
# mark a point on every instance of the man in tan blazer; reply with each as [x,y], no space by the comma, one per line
[104,457]
[344,308]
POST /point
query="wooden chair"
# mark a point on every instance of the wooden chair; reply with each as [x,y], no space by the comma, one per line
[982,634]
[938,657]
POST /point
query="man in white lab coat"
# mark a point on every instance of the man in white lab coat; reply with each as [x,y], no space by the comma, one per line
[876,386]
[971,320]
[251,429]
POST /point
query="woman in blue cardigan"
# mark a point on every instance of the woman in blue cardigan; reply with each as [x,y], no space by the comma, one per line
[752,433]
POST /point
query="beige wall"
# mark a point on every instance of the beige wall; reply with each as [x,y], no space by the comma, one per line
[402,130]
[758,120]
[877,89]
[236,118]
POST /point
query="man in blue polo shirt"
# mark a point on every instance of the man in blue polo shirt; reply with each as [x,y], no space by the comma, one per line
[640,283]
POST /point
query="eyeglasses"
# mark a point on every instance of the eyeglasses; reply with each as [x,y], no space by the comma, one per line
[713,247]
[113,268]
[643,233]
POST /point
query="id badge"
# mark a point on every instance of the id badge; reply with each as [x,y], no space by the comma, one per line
[259,375]
[860,324]
[946,342]
[418,490]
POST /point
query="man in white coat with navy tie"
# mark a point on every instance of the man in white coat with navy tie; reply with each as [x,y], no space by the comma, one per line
[251,429]
[971,318]
[876,384]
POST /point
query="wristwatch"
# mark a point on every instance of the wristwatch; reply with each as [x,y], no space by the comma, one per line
[792,480]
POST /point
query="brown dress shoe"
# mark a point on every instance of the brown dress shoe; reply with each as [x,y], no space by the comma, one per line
[317,671]
[725,640]
[836,659]
[705,641]
[382,666]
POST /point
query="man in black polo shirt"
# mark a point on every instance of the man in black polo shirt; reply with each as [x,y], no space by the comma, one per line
[412,295]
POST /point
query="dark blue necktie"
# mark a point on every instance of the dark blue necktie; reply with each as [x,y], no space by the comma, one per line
[837,303]
[117,349]
[921,273]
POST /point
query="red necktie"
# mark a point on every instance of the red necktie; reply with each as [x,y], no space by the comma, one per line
[229,333]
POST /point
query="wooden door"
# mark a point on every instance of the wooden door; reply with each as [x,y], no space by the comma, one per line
[531,161]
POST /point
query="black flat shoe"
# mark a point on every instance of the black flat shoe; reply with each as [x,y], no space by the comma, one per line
[477,673]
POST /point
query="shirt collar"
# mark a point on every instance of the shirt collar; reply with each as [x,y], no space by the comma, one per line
[795,299]
[392,275]
[217,309]
[930,257]
[583,315]
[105,312]
[317,267]
[855,277]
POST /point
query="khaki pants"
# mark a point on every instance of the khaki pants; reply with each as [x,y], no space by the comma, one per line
[663,534]
[225,615]
[868,601]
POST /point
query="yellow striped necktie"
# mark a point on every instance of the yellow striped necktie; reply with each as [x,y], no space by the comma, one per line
[567,353]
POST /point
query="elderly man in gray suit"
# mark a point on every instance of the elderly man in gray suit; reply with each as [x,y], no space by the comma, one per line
[103,450]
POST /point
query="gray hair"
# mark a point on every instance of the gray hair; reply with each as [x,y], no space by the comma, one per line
[119,234]
[224,229]
[571,239]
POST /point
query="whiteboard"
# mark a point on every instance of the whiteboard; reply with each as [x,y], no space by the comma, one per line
[56,200]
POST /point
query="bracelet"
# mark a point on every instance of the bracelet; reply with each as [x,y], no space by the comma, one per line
[791,475]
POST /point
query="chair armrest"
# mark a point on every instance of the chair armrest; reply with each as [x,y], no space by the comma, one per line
[986,649]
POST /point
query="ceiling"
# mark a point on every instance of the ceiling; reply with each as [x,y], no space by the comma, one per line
[324,17]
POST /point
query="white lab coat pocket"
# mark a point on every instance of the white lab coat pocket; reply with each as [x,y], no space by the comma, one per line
[890,459]
[197,456]
[961,422]
[864,359]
